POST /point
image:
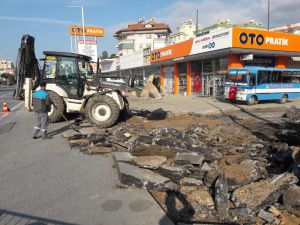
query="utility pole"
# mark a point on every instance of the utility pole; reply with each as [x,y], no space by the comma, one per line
[197,24]
[82,19]
[268,14]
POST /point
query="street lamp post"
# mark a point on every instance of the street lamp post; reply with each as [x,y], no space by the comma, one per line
[268,14]
[82,19]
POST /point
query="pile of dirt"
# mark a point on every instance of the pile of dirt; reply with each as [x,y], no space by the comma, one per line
[203,168]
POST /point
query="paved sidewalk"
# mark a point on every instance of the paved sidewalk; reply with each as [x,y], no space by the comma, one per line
[201,105]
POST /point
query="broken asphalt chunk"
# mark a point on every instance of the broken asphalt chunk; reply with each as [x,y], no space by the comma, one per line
[150,162]
[141,178]
[259,195]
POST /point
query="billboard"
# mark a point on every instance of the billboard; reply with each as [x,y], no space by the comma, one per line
[88,31]
[265,40]
[89,49]
[213,41]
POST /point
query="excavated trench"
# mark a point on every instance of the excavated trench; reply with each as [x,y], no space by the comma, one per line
[219,169]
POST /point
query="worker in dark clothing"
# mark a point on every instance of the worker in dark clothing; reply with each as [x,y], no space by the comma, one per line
[41,104]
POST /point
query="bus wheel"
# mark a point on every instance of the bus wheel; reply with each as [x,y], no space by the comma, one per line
[252,101]
[283,99]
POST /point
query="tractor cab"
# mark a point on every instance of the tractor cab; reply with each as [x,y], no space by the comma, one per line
[68,71]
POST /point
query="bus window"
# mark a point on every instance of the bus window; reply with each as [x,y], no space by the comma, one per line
[286,77]
[296,77]
[263,77]
[237,76]
[276,76]
[252,80]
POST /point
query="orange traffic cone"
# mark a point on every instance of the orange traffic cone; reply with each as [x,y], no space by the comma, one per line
[5,107]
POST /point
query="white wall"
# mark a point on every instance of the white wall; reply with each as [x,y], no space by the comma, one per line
[108,66]
[133,60]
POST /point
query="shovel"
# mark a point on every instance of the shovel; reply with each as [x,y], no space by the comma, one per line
[72,126]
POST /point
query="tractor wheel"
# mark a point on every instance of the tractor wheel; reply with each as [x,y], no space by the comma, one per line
[102,111]
[54,115]
[252,101]
[283,99]
[124,114]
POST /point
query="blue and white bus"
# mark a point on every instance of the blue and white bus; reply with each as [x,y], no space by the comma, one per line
[253,84]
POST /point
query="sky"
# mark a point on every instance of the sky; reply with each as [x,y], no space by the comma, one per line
[48,20]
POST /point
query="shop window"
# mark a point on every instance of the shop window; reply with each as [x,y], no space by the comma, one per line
[208,66]
[182,82]
[182,67]
[221,65]
[261,61]
[197,66]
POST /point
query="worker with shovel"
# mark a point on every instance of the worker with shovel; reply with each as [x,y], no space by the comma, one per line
[41,104]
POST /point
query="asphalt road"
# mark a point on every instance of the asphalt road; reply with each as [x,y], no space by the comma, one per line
[45,182]
[6,94]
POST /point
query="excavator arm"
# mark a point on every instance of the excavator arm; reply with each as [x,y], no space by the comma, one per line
[27,66]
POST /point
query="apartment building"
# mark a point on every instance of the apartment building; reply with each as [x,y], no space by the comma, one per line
[141,35]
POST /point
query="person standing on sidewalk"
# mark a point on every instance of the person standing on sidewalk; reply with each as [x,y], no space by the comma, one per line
[41,104]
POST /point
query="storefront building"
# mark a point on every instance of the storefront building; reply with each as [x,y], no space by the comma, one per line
[198,66]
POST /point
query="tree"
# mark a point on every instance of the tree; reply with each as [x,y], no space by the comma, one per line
[7,78]
[104,55]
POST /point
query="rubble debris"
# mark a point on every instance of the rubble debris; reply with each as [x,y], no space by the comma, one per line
[141,178]
[296,155]
[149,89]
[202,197]
[292,115]
[259,195]
[158,114]
[221,196]
[172,172]
[274,210]
[191,181]
[210,177]
[291,197]
[69,133]
[266,216]
[78,143]
[230,167]
[96,138]
[240,174]
[122,157]
[192,158]
[151,162]
[242,214]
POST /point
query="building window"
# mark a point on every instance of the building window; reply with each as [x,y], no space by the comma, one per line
[148,36]
[125,46]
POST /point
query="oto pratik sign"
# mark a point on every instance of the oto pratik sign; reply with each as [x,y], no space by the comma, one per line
[88,31]
[227,39]
[265,40]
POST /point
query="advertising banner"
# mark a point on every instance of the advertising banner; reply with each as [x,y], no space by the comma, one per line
[213,41]
[88,31]
[206,43]
[172,51]
[265,40]
[89,49]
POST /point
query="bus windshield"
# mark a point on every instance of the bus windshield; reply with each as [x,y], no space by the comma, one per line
[237,77]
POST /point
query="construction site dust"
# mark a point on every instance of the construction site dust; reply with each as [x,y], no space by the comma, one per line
[211,169]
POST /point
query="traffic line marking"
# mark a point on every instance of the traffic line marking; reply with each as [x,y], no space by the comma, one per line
[12,109]
[1,96]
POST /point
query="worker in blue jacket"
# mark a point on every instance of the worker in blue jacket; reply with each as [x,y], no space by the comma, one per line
[42,105]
